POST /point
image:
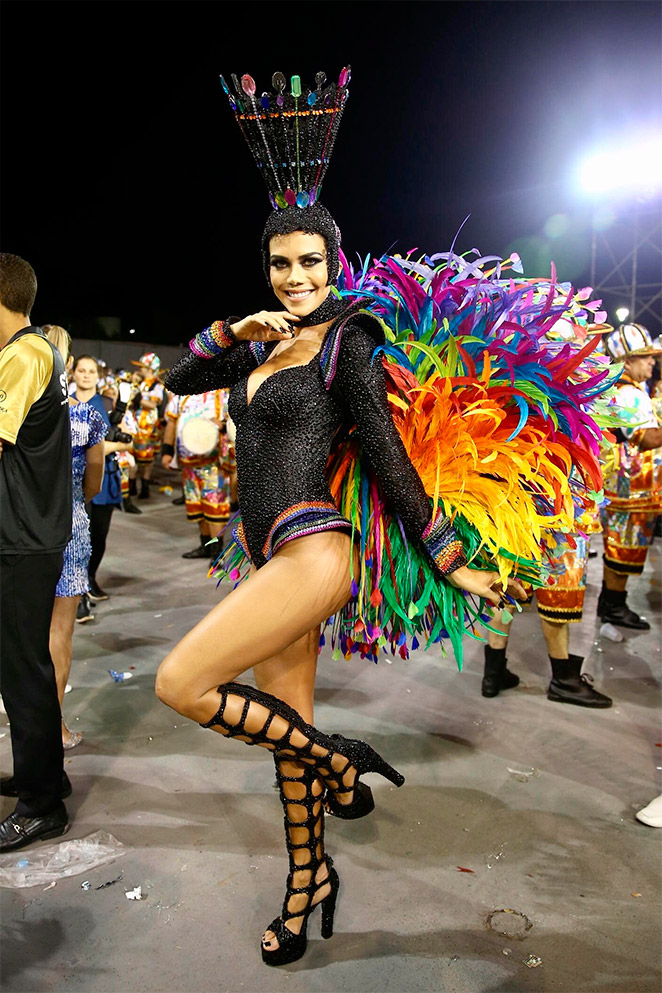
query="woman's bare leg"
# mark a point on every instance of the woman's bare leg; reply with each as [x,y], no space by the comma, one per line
[61,636]
[306,581]
[272,623]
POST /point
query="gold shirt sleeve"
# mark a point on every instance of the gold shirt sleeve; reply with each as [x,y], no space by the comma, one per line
[26,367]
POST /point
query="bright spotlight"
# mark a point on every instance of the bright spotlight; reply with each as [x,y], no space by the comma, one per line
[632,167]
[132,330]
[621,314]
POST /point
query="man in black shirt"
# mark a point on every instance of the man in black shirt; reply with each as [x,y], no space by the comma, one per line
[35,526]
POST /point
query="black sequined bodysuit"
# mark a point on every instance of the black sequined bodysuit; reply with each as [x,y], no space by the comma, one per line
[284,436]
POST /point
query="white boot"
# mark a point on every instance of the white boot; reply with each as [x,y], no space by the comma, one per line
[652,814]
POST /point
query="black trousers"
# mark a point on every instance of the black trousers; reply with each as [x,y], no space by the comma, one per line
[27,678]
[99,515]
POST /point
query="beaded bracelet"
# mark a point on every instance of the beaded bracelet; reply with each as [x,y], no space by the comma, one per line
[213,340]
[443,545]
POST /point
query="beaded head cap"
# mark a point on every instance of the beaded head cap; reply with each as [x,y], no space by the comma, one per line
[290,131]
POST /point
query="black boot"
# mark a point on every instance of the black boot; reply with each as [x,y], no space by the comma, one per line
[568,686]
[144,489]
[130,507]
[202,551]
[133,487]
[613,609]
[496,676]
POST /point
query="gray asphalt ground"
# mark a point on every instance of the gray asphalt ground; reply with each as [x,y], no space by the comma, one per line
[536,799]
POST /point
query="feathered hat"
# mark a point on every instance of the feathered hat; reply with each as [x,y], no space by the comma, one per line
[291,133]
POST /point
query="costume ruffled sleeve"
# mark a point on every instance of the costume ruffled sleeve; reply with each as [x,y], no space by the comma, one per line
[215,359]
[359,381]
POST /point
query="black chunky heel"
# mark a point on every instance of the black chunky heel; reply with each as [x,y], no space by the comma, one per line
[328,904]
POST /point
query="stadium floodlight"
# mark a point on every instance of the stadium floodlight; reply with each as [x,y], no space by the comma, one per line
[621,314]
[630,167]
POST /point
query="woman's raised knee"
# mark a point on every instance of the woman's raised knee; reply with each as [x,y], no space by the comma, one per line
[171,688]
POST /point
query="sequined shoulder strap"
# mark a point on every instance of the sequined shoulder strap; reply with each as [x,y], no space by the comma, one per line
[354,315]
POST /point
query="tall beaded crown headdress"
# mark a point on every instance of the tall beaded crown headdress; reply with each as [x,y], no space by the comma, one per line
[291,132]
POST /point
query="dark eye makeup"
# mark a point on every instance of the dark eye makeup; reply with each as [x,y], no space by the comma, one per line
[279,262]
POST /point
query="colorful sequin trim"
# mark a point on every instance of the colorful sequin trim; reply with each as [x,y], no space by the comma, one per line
[329,356]
[239,536]
[258,350]
[331,345]
[300,520]
[443,545]
[213,340]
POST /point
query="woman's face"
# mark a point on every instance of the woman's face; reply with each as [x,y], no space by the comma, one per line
[86,374]
[298,271]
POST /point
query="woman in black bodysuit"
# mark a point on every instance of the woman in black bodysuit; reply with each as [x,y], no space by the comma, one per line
[296,375]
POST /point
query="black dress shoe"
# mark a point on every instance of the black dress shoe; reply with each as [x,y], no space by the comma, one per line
[17,831]
[8,786]
[130,507]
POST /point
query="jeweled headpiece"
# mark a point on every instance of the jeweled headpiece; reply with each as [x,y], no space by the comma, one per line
[291,134]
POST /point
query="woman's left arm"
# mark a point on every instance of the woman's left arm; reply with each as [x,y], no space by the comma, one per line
[361,381]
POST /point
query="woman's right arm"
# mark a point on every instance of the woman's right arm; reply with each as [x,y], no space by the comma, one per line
[226,351]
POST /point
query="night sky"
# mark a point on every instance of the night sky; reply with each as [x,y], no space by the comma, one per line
[127,185]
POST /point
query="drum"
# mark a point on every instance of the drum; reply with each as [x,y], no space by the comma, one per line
[198,435]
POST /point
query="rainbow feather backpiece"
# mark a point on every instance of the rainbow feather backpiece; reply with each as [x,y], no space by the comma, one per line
[501,422]
[500,416]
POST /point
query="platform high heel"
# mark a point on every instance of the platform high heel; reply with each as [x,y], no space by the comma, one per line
[261,719]
[364,759]
[301,788]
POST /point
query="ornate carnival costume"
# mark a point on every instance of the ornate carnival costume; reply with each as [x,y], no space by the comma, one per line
[205,457]
[633,476]
[435,425]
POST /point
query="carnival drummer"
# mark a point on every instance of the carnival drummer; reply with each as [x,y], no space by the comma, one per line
[196,432]
[147,441]
[633,476]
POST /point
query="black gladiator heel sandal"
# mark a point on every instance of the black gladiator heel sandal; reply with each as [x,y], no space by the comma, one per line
[305,845]
[261,719]
[364,759]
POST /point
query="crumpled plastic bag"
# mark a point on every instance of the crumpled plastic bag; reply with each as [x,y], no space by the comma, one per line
[39,866]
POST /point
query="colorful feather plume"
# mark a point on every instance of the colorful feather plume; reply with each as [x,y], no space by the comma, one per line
[500,415]
[500,421]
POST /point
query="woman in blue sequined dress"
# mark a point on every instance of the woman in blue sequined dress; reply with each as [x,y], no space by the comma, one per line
[87,433]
